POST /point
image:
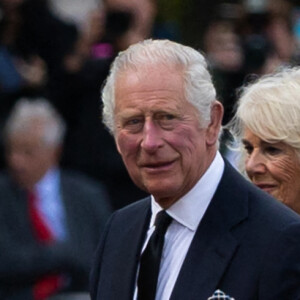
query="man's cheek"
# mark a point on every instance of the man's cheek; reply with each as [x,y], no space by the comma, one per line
[127,145]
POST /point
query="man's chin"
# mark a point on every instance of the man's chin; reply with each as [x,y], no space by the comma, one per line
[163,195]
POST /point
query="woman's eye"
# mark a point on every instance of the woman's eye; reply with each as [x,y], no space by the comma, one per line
[248,149]
[273,150]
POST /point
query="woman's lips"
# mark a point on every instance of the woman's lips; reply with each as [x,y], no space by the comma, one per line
[267,187]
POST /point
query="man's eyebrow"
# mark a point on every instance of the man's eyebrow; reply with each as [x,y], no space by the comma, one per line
[128,113]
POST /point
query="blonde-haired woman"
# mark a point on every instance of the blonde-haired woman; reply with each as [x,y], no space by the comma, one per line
[267,126]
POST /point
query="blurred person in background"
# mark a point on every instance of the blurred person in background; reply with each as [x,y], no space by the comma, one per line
[223,48]
[247,41]
[267,127]
[141,16]
[267,30]
[33,45]
[130,21]
[51,219]
[42,55]
[74,11]
[35,40]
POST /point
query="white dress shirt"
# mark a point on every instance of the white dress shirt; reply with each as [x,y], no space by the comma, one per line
[50,203]
[187,213]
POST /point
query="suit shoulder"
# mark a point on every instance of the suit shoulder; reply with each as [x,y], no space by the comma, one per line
[262,207]
[136,206]
[3,179]
[6,183]
[271,210]
[79,188]
[134,209]
[79,181]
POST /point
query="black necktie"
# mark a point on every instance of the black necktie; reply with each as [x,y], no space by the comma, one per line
[150,259]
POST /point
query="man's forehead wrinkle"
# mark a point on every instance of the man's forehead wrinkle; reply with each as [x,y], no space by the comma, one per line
[146,70]
[151,111]
[152,91]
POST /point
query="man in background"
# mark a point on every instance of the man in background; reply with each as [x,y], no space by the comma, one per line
[50,219]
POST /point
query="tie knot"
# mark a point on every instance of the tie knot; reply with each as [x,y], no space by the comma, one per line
[162,221]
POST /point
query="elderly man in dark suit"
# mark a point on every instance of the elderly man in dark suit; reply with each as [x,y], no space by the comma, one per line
[205,232]
[50,219]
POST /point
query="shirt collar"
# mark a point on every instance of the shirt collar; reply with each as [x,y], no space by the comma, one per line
[189,210]
[50,179]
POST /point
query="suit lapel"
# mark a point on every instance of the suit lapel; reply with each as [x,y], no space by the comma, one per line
[214,243]
[72,224]
[131,242]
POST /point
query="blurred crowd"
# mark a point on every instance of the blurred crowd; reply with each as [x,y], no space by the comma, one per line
[44,52]
[245,41]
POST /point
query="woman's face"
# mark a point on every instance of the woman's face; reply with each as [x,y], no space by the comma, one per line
[273,167]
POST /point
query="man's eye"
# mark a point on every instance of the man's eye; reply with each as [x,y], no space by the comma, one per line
[133,122]
[168,117]
[167,121]
[165,118]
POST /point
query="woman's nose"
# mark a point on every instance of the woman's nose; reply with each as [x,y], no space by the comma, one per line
[255,163]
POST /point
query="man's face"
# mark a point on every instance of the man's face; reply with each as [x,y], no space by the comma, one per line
[158,133]
[28,158]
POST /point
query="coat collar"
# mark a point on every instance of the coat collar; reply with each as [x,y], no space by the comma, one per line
[132,241]
[215,241]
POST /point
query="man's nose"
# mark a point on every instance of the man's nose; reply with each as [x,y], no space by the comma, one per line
[256,163]
[152,136]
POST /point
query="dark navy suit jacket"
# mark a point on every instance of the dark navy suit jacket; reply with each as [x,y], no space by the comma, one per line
[247,245]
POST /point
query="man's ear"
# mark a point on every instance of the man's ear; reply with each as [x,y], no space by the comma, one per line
[214,127]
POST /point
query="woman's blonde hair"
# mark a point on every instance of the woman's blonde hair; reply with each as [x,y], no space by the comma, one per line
[270,108]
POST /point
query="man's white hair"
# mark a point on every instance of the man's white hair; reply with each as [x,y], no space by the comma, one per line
[199,89]
[26,111]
